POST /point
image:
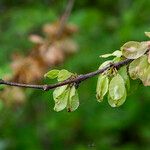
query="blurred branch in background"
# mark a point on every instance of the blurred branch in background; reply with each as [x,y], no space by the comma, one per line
[48,51]
[65,17]
[76,80]
[104,26]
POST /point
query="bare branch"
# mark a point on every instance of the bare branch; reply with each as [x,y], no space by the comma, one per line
[77,80]
[65,16]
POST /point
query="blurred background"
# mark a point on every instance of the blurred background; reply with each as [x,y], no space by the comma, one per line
[33,42]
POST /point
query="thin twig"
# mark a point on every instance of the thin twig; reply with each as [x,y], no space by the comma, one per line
[65,17]
[78,79]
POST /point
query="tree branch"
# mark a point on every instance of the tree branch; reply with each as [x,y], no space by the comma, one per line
[65,16]
[76,80]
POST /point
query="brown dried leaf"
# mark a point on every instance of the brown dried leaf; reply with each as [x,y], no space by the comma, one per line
[13,95]
[36,39]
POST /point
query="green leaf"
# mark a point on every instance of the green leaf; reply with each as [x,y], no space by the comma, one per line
[116,87]
[133,49]
[116,53]
[102,87]
[52,74]
[117,103]
[73,102]
[64,75]
[147,34]
[61,100]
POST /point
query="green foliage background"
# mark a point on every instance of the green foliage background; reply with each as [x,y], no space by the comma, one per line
[104,27]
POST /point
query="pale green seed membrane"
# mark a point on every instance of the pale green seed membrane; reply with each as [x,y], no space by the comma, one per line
[147,34]
[116,53]
[140,68]
[73,102]
[134,68]
[64,75]
[61,101]
[105,64]
[52,74]
[102,87]
[133,49]
[59,90]
[116,87]
[117,103]
[123,72]
[146,77]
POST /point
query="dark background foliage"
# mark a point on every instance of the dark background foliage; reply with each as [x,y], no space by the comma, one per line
[104,27]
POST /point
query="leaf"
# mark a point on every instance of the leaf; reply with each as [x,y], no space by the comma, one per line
[64,75]
[102,87]
[61,101]
[73,102]
[116,87]
[133,49]
[116,53]
[147,34]
[52,74]
[117,103]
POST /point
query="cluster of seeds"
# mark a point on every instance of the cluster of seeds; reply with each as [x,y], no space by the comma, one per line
[113,82]
[117,82]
